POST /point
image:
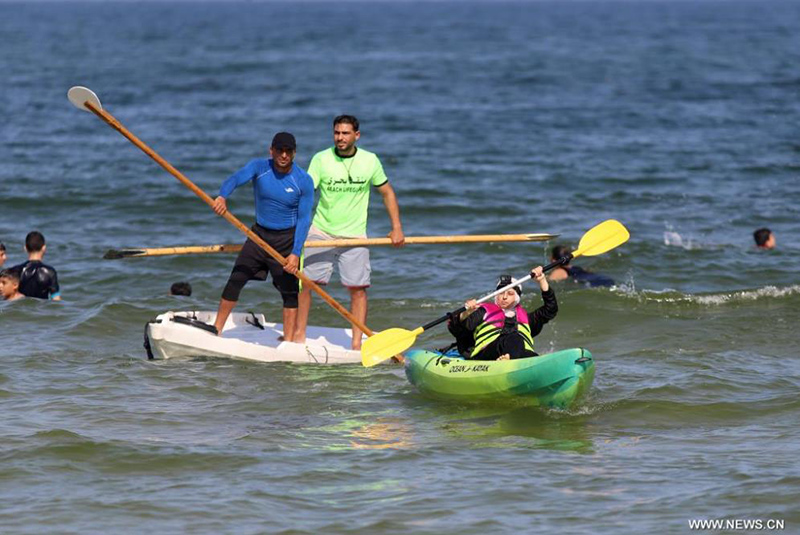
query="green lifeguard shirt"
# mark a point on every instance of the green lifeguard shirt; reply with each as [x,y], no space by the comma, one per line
[344,185]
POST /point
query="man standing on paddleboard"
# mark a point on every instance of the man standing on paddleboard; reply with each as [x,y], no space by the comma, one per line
[284,197]
[344,174]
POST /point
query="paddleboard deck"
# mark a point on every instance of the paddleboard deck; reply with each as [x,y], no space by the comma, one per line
[245,336]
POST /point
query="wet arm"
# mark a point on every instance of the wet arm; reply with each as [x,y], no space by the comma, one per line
[54,290]
[239,178]
[393,209]
[304,209]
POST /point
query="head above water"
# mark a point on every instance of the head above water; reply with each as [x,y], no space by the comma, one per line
[34,242]
[9,283]
[9,274]
[764,238]
[181,288]
[560,251]
[2,254]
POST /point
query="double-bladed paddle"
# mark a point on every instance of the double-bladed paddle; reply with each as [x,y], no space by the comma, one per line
[385,344]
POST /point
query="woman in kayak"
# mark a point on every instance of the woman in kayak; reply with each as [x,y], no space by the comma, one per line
[503,330]
[577,274]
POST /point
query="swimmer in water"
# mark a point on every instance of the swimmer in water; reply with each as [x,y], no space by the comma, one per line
[577,274]
[765,239]
[37,279]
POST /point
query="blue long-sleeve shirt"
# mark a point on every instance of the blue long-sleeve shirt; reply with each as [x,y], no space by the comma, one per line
[282,200]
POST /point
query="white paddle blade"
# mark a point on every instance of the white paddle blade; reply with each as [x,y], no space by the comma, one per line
[80,95]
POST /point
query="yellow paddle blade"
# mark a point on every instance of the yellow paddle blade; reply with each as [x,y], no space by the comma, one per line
[387,344]
[602,238]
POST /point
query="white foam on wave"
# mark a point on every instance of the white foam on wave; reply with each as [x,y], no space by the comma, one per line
[673,239]
[748,295]
[769,292]
[627,286]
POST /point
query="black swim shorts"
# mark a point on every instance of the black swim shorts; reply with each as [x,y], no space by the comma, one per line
[254,263]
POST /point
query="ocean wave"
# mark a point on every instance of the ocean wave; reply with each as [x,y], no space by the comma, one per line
[718,299]
[673,239]
[624,291]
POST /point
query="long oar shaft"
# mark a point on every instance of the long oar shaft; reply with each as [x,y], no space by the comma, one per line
[116,125]
[344,242]
[113,254]
[412,240]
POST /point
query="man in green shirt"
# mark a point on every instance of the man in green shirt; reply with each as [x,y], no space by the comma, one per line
[343,175]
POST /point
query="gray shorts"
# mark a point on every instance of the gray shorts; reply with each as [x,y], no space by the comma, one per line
[353,262]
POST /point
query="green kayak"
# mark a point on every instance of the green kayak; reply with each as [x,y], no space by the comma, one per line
[554,380]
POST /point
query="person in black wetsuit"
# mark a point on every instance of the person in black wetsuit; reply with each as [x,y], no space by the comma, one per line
[577,274]
[37,279]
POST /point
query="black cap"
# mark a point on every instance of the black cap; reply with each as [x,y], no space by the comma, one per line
[284,140]
[505,280]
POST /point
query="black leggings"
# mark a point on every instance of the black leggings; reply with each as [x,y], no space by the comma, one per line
[253,263]
[511,343]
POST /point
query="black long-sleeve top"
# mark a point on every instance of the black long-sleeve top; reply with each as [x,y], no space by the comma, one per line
[537,320]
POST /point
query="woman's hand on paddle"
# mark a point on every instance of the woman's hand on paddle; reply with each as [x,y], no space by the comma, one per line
[537,274]
[470,306]
[220,206]
[292,263]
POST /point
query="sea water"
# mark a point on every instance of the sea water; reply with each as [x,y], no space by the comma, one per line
[680,119]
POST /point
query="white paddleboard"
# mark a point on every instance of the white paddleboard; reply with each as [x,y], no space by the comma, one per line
[245,336]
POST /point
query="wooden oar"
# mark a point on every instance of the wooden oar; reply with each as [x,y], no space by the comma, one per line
[113,254]
[85,99]
[385,344]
